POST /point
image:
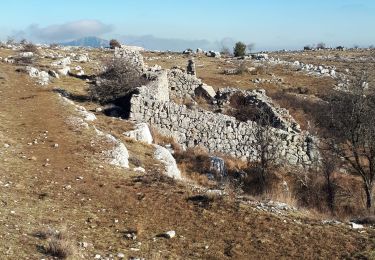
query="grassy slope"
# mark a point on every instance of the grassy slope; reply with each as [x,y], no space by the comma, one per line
[149,203]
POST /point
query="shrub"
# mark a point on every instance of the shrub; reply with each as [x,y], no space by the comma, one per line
[59,248]
[120,78]
[53,45]
[114,43]
[225,51]
[24,60]
[30,47]
[58,244]
[239,49]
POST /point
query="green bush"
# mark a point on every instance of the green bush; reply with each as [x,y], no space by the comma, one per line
[114,43]
[239,49]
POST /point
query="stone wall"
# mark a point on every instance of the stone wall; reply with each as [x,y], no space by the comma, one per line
[182,84]
[216,132]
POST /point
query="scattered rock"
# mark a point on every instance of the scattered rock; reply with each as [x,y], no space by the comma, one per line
[163,155]
[356,226]
[140,133]
[119,155]
[169,234]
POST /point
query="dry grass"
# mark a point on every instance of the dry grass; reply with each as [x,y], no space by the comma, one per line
[58,244]
[106,193]
[164,140]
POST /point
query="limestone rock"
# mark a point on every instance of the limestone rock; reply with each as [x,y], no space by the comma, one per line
[63,62]
[140,133]
[163,155]
[217,167]
[64,71]
[119,155]
[206,91]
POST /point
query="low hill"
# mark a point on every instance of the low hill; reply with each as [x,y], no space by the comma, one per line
[91,41]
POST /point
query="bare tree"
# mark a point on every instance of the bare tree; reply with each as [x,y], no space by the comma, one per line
[120,78]
[353,133]
[225,50]
[265,145]
[321,46]
[329,163]
[250,47]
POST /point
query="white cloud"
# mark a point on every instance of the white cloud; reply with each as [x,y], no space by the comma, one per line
[64,32]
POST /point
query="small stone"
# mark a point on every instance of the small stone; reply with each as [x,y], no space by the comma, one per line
[83,244]
[68,187]
[97,256]
[120,255]
[56,145]
[356,226]
[139,169]
[32,158]
[6,145]
[170,234]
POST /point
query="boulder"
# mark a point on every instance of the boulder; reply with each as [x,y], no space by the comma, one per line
[26,54]
[214,54]
[163,155]
[217,167]
[64,71]
[206,91]
[199,51]
[33,72]
[63,62]
[43,78]
[53,74]
[140,133]
[82,58]
[119,155]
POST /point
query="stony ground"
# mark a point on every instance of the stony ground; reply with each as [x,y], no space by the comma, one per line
[70,188]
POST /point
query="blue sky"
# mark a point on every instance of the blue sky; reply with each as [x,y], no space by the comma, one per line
[270,24]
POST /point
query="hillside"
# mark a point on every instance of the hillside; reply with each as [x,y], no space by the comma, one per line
[94,42]
[53,177]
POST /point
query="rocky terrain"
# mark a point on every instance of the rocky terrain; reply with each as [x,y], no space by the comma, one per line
[80,180]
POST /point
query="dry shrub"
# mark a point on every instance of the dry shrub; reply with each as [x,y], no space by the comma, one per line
[260,70]
[304,110]
[120,78]
[203,103]
[196,177]
[58,244]
[234,164]
[194,163]
[164,140]
[30,47]
[186,101]
[242,110]
[241,68]
[59,248]
[24,60]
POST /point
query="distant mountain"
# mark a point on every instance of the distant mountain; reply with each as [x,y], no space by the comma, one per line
[88,42]
[151,42]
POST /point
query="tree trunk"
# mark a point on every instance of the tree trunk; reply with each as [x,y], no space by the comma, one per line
[331,196]
[368,190]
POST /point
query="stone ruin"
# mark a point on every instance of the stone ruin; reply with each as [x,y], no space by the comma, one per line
[193,126]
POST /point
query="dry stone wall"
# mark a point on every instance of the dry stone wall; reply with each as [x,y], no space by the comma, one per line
[216,132]
[197,127]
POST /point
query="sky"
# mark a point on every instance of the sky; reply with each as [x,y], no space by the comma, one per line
[269,24]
